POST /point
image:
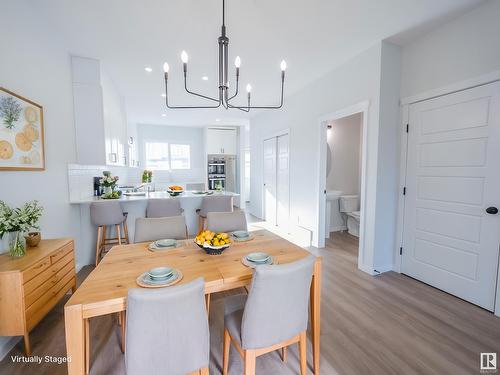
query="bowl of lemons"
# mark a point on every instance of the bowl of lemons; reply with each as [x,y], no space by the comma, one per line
[213,243]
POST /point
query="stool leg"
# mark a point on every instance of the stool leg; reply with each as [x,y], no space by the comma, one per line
[87,346]
[119,234]
[125,231]
[98,245]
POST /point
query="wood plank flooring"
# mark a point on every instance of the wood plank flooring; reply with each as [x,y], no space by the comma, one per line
[389,324]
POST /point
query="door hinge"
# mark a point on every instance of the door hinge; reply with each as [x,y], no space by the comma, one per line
[407,128]
[324,191]
[400,251]
[404,190]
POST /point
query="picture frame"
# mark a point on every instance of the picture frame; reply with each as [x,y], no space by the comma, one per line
[22,144]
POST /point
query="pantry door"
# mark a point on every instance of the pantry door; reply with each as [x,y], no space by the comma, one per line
[451,222]
[283,183]
[269,191]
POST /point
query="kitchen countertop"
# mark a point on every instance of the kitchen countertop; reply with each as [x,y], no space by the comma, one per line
[152,195]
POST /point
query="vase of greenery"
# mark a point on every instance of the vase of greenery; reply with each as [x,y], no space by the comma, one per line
[147,176]
[15,222]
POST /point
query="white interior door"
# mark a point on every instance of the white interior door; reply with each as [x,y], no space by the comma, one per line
[270,201]
[450,241]
[282,182]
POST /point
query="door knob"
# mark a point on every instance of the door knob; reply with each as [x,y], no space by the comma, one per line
[492,210]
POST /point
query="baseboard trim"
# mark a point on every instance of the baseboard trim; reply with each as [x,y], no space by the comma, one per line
[375,271]
[8,346]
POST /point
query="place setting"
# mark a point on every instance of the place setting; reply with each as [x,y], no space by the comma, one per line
[159,277]
[164,244]
[255,259]
[241,236]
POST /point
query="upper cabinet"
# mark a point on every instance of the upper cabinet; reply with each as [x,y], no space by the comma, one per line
[100,121]
[222,141]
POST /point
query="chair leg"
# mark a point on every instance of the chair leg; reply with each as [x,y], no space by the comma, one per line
[284,353]
[123,318]
[207,301]
[119,233]
[98,246]
[87,346]
[303,353]
[225,352]
[201,224]
[249,362]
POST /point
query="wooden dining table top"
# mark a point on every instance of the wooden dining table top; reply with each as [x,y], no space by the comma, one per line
[106,288]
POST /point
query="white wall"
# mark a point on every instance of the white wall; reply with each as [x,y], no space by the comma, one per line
[35,65]
[193,136]
[344,142]
[465,48]
[351,83]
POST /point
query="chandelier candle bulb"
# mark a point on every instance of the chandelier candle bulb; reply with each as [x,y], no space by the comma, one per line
[166,68]
[184,57]
[283,65]
[237,62]
[249,88]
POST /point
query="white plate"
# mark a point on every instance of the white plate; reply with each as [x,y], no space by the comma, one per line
[258,257]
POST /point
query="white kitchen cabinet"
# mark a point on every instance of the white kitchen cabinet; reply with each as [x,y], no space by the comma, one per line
[100,122]
[222,141]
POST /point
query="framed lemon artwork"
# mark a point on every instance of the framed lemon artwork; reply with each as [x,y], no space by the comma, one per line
[21,133]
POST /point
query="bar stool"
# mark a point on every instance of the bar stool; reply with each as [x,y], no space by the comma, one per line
[215,203]
[104,214]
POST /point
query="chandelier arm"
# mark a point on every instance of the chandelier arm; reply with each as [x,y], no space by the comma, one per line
[196,94]
[237,88]
[184,106]
[269,106]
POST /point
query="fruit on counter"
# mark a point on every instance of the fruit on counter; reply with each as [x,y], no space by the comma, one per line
[209,238]
[175,188]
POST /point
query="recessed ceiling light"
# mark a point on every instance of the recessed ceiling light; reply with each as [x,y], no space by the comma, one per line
[164,95]
[148,69]
[217,119]
[205,78]
[163,115]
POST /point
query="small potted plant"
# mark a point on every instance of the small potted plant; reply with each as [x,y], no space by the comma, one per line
[147,176]
[109,182]
[15,222]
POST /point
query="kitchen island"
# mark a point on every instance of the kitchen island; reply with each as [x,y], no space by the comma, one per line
[135,205]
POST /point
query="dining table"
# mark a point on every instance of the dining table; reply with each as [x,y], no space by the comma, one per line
[105,289]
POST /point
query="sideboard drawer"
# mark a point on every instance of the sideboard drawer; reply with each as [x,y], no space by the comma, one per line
[39,292]
[31,285]
[34,270]
[61,253]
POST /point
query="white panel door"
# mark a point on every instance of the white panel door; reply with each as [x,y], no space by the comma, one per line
[270,202]
[450,240]
[282,182]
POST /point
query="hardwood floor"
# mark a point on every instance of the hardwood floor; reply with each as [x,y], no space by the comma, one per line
[388,324]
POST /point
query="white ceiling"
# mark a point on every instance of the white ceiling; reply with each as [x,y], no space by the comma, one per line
[312,35]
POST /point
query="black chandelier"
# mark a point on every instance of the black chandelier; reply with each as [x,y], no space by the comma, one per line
[224,97]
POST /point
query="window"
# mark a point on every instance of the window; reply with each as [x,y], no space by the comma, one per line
[180,156]
[157,155]
[165,156]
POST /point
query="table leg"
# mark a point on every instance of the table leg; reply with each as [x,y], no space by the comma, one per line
[315,301]
[75,339]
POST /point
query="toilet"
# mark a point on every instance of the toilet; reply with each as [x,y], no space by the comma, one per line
[349,207]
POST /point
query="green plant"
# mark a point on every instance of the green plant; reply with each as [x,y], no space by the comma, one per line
[20,219]
[147,176]
[10,110]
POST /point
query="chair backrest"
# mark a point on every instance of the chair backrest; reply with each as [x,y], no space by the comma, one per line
[167,330]
[152,229]
[216,203]
[277,304]
[196,186]
[163,208]
[106,213]
[226,221]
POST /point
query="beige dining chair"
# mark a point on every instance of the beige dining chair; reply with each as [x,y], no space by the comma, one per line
[167,330]
[214,203]
[164,208]
[273,316]
[152,229]
[226,221]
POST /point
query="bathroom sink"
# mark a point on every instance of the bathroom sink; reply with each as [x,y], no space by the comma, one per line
[332,195]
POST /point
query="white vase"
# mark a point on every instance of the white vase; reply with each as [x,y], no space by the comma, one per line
[108,190]
[4,244]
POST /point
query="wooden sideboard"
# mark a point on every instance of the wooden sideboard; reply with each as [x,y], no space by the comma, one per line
[32,285]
